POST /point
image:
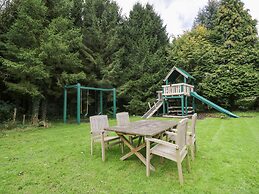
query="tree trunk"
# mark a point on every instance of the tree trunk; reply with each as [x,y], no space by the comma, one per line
[35,110]
[44,107]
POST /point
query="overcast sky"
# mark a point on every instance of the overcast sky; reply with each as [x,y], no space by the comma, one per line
[178,15]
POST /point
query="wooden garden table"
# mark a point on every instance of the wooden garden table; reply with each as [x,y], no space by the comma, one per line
[142,128]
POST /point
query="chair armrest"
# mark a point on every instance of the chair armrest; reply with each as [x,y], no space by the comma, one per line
[159,141]
[170,133]
[189,133]
[99,132]
[173,130]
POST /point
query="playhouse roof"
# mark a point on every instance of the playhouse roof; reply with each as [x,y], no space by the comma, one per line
[176,71]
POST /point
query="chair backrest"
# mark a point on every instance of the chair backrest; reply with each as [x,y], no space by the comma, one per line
[122,118]
[181,133]
[193,124]
[98,123]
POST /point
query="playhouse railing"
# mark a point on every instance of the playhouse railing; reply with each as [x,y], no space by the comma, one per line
[177,89]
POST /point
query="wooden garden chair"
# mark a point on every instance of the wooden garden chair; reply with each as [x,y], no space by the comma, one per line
[191,136]
[123,120]
[173,151]
[98,134]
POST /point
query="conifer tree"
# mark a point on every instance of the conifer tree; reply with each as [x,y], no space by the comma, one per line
[43,52]
[59,52]
[237,55]
[193,52]
[222,58]
[207,14]
[101,41]
[22,63]
[143,62]
[235,25]
[8,15]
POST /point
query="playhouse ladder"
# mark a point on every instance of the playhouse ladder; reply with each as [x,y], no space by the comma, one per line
[153,109]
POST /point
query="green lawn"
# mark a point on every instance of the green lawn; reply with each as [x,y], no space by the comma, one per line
[58,160]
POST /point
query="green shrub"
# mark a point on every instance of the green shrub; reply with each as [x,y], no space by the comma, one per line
[136,106]
[6,110]
[8,125]
[246,103]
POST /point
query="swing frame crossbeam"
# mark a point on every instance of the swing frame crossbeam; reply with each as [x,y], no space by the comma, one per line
[78,88]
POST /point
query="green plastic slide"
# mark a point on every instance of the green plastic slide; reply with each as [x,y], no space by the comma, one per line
[213,105]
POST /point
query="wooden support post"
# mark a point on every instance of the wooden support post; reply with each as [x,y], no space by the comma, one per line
[148,158]
[193,104]
[101,102]
[78,103]
[114,103]
[65,105]
[103,147]
[163,106]
[182,104]
[167,105]
[186,105]
[186,108]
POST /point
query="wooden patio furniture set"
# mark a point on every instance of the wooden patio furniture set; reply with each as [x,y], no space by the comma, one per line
[167,139]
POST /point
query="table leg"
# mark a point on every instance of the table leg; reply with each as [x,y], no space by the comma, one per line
[134,150]
[139,140]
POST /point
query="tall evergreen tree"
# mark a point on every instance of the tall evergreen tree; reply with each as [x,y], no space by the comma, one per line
[206,15]
[59,52]
[22,61]
[43,51]
[222,58]
[77,12]
[101,40]
[193,52]
[8,15]
[237,55]
[235,25]
[143,62]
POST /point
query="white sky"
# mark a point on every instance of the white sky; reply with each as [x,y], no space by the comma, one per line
[178,15]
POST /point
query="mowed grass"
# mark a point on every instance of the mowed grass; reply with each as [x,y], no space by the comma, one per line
[58,160]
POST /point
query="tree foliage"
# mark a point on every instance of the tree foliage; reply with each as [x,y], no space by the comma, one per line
[234,25]
[206,15]
[101,39]
[224,57]
[22,61]
[41,52]
[143,62]
[59,52]
[45,44]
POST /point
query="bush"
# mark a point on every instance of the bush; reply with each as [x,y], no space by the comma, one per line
[8,125]
[6,110]
[137,107]
[246,103]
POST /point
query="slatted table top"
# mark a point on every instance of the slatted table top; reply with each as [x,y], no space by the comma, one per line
[144,127]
